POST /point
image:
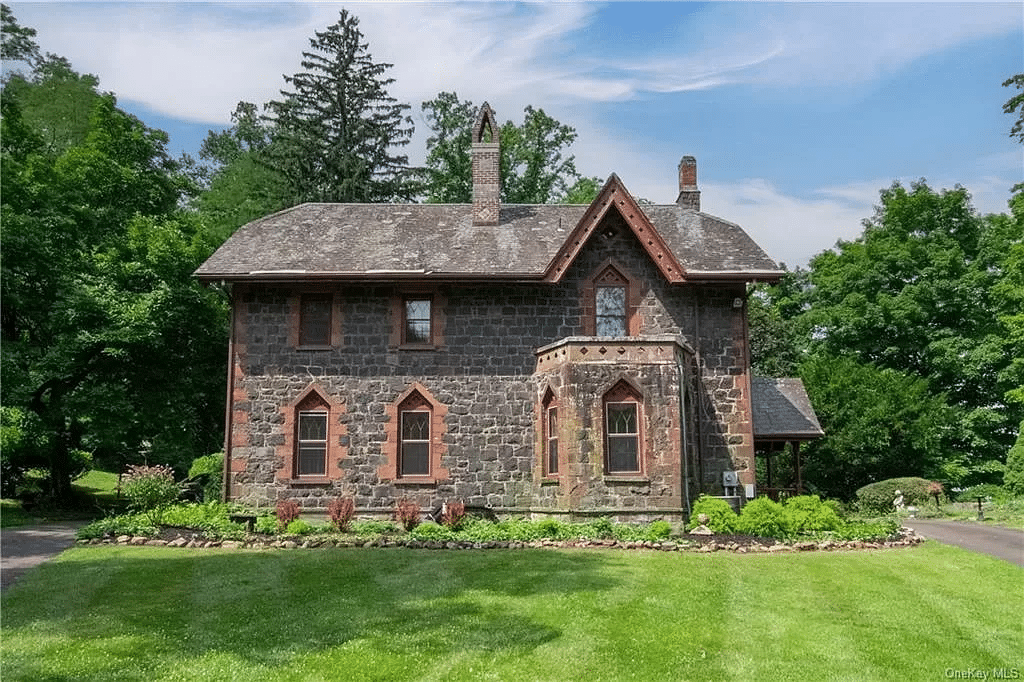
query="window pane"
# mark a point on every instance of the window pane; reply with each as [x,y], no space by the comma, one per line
[417,320]
[315,322]
[312,426]
[611,311]
[312,459]
[622,418]
[553,440]
[415,459]
[622,453]
[415,426]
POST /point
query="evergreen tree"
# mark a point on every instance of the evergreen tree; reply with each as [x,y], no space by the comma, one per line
[336,135]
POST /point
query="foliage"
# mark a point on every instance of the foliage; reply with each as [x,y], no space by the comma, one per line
[988,491]
[286,512]
[299,527]
[267,525]
[335,135]
[762,517]
[534,169]
[453,514]
[211,468]
[17,43]
[602,527]
[807,513]
[721,517]
[1013,476]
[1014,104]
[878,497]
[342,510]
[150,489]
[879,424]
[212,518]
[431,531]
[407,513]
[372,528]
[867,531]
[113,526]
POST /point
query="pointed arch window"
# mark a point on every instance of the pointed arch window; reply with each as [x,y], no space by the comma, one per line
[549,413]
[622,423]
[415,443]
[611,303]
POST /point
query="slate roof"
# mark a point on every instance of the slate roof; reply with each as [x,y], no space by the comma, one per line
[439,241]
[782,410]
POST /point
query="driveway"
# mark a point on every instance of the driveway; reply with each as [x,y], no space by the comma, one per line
[23,547]
[1002,543]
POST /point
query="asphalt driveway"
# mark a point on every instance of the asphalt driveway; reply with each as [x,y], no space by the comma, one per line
[23,547]
[1003,543]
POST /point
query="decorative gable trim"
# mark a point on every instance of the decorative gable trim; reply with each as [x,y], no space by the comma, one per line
[614,195]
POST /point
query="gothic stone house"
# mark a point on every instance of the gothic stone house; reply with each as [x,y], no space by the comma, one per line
[533,359]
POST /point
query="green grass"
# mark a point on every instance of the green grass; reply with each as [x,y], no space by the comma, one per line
[145,613]
[11,514]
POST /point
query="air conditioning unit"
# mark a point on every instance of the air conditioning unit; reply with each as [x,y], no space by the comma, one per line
[730,479]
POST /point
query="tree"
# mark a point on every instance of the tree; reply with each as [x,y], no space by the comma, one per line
[1013,477]
[100,310]
[534,169]
[915,293]
[17,43]
[1016,105]
[336,134]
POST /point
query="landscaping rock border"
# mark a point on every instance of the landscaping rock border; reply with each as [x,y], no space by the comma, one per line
[700,544]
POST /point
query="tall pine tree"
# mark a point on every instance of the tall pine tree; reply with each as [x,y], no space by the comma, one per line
[337,134]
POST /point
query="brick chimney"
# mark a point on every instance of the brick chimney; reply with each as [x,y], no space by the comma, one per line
[486,168]
[689,195]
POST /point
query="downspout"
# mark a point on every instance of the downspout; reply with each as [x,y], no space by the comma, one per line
[699,405]
[683,445]
[228,404]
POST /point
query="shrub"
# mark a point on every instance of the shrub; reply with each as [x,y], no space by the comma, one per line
[299,527]
[989,491]
[877,498]
[453,513]
[549,528]
[1013,474]
[868,531]
[211,469]
[341,511]
[267,525]
[806,513]
[367,528]
[407,513]
[286,512]
[658,530]
[112,526]
[149,489]
[602,528]
[762,517]
[432,531]
[721,517]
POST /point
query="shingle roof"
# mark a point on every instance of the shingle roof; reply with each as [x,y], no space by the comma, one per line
[425,241]
[783,410]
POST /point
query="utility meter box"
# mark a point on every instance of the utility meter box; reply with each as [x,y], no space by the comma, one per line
[730,479]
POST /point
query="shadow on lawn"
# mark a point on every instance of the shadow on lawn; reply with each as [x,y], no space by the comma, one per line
[267,608]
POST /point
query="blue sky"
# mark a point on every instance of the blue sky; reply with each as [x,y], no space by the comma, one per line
[798,113]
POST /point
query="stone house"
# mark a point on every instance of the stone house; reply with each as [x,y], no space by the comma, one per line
[557,360]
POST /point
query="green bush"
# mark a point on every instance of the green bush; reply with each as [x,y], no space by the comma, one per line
[267,525]
[989,491]
[721,517]
[150,489]
[432,531]
[658,530]
[550,528]
[877,498]
[112,526]
[807,513]
[212,468]
[210,517]
[868,531]
[299,527]
[1013,474]
[369,528]
[762,517]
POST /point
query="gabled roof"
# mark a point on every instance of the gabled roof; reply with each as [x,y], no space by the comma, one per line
[383,242]
[782,410]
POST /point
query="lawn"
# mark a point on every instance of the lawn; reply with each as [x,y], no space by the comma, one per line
[149,613]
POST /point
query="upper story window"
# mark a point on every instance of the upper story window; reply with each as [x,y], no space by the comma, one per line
[611,310]
[315,319]
[417,322]
[609,304]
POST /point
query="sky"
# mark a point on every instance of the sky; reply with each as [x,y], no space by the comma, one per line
[798,113]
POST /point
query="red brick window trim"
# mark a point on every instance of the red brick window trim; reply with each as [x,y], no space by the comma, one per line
[314,320]
[623,431]
[550,432]
[418,319]
[414,445]
[313,434]
[611,299]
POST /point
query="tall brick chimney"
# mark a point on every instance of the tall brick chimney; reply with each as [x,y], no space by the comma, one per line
[689,195]
[486,168]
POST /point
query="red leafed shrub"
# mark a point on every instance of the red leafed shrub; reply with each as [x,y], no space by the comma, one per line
[452,514]
[341,511]
[407,513]
[287,511]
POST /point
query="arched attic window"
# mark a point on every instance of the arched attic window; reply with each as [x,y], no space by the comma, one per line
[611,303]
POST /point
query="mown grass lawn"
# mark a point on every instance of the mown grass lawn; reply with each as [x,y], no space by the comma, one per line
[145,613]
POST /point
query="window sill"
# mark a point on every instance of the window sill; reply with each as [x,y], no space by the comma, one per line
[626,478]
[309,480]
[328,347]
[418,346]
[550,480]
[416,480]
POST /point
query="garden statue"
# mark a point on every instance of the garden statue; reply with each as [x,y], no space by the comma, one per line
[898,502]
